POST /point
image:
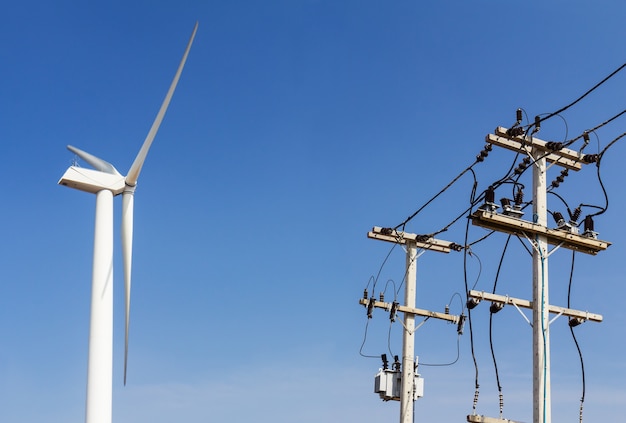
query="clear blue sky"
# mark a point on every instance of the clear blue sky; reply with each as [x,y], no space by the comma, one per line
[297,126]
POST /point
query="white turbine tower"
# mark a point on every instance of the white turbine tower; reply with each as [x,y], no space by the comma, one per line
[106,182]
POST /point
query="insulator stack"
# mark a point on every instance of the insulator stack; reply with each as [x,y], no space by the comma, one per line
[559,179]
[537,124]
[394,310]
[456,247]
[522,166]
[385,361]
[484,153]
[370,308]
[589,224]
[573,322]
[496,307]
[558,218]
[554,146]
[515,131]
[575,214]
[586,137]
[519,197]
[580,413]
[471,303]
[591,158]
[490,195]
[396,362]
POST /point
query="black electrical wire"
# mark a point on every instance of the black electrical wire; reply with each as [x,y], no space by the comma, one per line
[458,339]
[611,144]
[571,328]
[479,158]
[507,175]
[584,95]
[381,269]
[564,121]
[493,354]
[480,266]
[395,295]
[363,343]
[389,339]
[445,228]
[560,198]
[474,200]
[481,239]
[458,354]
[367,324]
[606,196]
[606,122]
[436,195]
[469,311]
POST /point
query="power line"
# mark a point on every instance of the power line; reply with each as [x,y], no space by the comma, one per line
[584,95]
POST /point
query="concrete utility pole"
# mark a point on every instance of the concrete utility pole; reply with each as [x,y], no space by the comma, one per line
[408,389]
[540,237]
[541,327]
[408,338]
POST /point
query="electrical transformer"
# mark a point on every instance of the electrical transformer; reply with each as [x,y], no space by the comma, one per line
[387,384]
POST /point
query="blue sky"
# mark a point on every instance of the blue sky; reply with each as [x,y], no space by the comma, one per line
[295,128]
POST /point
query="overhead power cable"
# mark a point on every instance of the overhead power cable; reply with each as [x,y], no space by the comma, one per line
[582,96]
[609,145]
[493,354]
[571,327]
[595,128]
[408,219]
[479,158]
[469,310]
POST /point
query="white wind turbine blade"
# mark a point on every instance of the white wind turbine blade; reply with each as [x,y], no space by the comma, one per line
[133,173]
[96,162]
[128,195]
[128,199]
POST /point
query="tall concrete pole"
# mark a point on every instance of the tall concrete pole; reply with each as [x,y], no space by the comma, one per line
[541,332]
[408,340]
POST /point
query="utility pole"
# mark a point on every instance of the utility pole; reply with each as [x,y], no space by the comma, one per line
[408,337]
[542,411]
[408,388]
[540,237]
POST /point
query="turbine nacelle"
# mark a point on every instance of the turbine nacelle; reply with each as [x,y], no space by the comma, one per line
[103,176]
[93,181]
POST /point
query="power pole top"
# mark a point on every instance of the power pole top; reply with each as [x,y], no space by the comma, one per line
[502,299]
[538,153]
[410,310]
[423,242]
[513,225]
[565,157]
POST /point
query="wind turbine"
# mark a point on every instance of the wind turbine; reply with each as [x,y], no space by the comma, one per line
[106,182]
